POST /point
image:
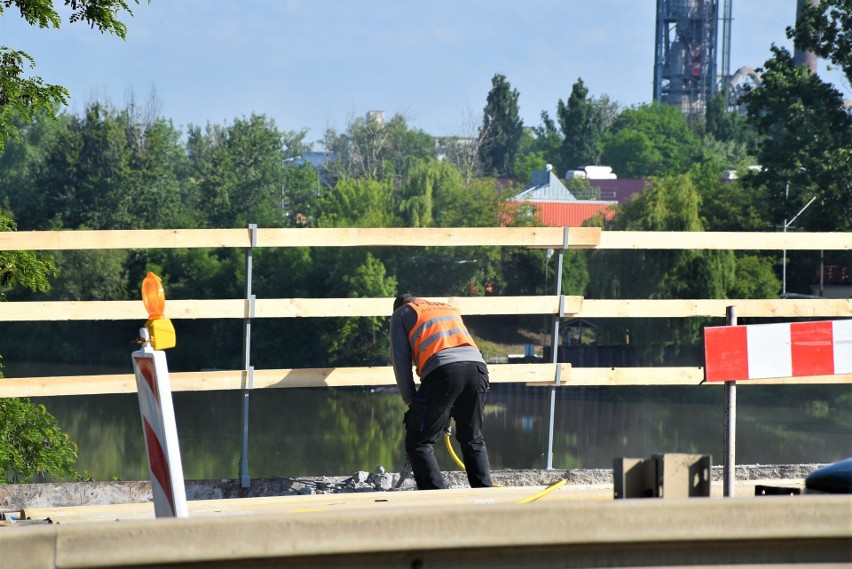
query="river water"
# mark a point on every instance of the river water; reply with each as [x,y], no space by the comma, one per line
[321,431]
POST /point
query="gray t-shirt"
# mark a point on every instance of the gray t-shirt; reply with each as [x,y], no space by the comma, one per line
[402,321]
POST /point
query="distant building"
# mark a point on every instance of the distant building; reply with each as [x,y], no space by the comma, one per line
[314,158]
[555,205]
[835,281]
[618,190]
[592,173]
[377,116]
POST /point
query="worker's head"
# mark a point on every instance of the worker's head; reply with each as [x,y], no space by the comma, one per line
[402,299]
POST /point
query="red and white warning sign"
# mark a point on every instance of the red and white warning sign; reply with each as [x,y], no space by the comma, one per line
[160,430]
[778,350]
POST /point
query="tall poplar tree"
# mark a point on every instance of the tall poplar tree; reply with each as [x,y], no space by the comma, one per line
[501,129]
[582,127]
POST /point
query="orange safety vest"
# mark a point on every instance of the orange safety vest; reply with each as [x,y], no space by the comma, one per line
[439,326]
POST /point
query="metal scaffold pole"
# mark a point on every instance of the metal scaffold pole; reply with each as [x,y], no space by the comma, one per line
[245,480]
[730,435]
[555,349]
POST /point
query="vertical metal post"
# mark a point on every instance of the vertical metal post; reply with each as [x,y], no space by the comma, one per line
[730,434]
[784,267]
[245,481]
[555,349]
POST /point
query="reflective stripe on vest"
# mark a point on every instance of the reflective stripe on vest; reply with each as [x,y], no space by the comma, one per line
[439,326]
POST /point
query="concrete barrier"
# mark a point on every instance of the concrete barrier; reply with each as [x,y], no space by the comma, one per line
[754,531]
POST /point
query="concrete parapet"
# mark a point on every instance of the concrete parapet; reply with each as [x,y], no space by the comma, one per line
[755,531]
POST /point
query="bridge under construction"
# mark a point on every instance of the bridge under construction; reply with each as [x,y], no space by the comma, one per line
[564,526]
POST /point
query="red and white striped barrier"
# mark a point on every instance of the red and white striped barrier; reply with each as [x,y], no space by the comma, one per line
[778,350]
[160,428]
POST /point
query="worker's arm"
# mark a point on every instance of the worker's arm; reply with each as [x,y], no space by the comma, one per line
[401,354]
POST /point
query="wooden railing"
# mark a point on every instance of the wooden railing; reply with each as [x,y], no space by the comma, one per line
[543,374]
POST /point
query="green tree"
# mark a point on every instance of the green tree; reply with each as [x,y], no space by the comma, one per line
[670,204]
[374,149]
[363,341]
[725,125]
[726,205]
[527,164]
[108,169]
[31,442]
[826,29]
[805,147]
[548,140]
[434,194]
[501,129]
[238,172]
[582,128]
[21,163]
[651,140]
[357,203]
[26,269]
[300,195]
[23,96]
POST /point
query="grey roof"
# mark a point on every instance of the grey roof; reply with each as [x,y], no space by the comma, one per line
[545,186]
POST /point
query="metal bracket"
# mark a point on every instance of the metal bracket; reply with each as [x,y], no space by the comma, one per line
[251,305]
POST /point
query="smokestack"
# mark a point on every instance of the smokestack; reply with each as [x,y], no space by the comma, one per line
[801,57]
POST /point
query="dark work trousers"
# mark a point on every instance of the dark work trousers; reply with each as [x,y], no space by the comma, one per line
[454,390]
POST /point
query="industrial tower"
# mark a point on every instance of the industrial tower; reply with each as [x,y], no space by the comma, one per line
[685,54]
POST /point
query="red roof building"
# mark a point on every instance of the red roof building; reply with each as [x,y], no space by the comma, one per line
[570,214]
[555,206]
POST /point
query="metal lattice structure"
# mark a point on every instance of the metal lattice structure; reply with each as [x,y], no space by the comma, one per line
[685,54]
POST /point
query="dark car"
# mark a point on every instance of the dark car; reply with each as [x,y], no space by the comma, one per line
[832,479]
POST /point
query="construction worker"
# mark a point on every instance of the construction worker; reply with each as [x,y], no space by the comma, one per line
[453,383]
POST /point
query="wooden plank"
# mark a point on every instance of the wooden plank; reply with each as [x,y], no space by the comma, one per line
[537,237]
[695,240]
[540,237]
[123,239]
[684,308]
[60,311]
[635,376]
[348,307]
[51,386]
[579,237]
[541,375]
[679,376]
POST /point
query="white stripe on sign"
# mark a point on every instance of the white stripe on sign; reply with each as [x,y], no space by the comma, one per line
[842,332]
[769,352]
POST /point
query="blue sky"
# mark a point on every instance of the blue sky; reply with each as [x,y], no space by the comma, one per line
[318,64]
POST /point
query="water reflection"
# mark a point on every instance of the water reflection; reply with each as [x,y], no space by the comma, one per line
[309,432]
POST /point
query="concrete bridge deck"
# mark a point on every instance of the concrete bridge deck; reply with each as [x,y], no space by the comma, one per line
[495,527]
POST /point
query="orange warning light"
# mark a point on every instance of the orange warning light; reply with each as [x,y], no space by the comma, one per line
[159,327]
[153,295]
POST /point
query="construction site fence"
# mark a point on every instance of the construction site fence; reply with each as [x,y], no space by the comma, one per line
[553,374]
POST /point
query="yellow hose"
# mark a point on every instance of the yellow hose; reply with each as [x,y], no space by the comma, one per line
[453,452]
[456,458]
[546,491]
